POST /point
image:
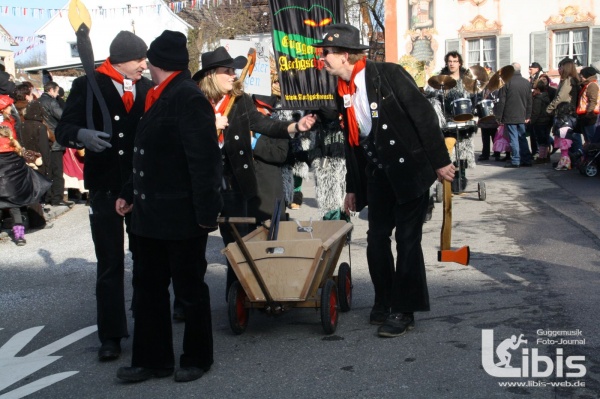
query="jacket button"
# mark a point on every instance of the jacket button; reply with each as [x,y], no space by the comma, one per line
[365,146]
[135,192]
[142,151]
[369,153]
[245,166]
[141,173]
[237,137]
[392,142]
[133,170]
[384,126]
[117,117]
[241,152]
[401,160]
[121,152]
[143,196]
[134,149]
[121,135]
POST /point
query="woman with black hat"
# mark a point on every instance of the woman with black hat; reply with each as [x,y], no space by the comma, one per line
[218,81]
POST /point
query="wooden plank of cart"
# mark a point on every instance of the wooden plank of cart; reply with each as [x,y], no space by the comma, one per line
[293,271]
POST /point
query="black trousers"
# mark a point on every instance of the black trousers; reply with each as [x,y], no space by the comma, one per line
[487,137]
[403,287]
[57,189]
[109,238]
[157,261]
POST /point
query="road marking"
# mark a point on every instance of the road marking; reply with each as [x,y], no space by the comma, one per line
[14,369]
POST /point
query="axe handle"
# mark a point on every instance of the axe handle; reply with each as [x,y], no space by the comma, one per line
[446,236]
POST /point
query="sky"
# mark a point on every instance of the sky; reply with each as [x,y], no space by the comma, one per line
[25,25]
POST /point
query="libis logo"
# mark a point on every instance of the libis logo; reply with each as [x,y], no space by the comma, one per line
[532,363]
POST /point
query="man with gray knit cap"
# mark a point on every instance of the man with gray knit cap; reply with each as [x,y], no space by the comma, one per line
[108,165]
[174,196]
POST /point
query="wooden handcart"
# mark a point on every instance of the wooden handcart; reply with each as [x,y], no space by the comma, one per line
[293,271]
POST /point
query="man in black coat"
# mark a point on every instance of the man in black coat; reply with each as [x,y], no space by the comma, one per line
[514,111]
[107,168]
[394,152]
[52,115]
[175,198]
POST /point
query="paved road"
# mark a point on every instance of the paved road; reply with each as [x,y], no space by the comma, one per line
[534,271]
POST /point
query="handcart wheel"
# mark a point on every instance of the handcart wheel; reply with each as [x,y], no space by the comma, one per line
[439,192]
[481,191]
[344,286]
[591,170]
[238,313]
[329,307]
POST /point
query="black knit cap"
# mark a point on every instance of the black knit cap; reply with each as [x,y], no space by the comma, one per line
[169,51]
[126,46]
[588,71]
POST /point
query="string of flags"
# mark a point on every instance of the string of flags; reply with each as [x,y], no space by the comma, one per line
[47,13]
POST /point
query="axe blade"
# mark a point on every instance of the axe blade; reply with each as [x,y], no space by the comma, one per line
[461,256]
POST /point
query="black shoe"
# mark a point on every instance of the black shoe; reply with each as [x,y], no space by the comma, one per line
[379,314]
[138,374]
[505,159]
[178,314]
[511,165]
[64,203]
[397,324]
[483,158]
[463,183]
[526,164]
[186,374]
[110,350]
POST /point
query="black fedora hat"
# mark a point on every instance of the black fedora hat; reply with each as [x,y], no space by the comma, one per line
[342,35]
[219,58]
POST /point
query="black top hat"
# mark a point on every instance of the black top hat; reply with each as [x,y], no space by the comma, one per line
[342,35]
[219,58]
[535,65]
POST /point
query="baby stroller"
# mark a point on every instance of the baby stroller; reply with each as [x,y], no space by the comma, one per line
[588,165]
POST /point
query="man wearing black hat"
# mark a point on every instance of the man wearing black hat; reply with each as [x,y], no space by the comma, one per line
[174,195]
[392,134]
[535,70]
[107,168]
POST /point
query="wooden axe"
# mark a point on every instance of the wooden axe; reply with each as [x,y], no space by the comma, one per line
[461,255]
[247,71]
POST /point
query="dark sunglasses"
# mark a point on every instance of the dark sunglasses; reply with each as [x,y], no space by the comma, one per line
[326,52]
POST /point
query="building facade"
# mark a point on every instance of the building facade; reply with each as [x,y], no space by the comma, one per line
[493,33]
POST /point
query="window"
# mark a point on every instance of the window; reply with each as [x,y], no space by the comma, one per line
[482,52]
[571,43]
[74,50]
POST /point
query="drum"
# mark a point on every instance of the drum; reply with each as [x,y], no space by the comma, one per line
[461,110]
[485,110]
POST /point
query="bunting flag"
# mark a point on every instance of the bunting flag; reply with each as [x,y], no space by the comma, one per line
[296,26]
[47,13]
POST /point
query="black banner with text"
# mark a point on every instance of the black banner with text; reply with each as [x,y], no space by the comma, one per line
[296,26]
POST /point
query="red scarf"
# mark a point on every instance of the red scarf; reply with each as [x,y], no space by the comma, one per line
[221,110]
[107,69]
[156,91]
[349,88]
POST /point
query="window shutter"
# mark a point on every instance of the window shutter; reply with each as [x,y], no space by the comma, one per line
[504,51]
[538,44]
[594,38]
[452,45]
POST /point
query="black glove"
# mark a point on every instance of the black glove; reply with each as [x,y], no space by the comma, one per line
[93,140]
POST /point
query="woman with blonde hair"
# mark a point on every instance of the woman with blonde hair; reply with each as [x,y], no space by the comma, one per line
[568,90]
[218,81]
